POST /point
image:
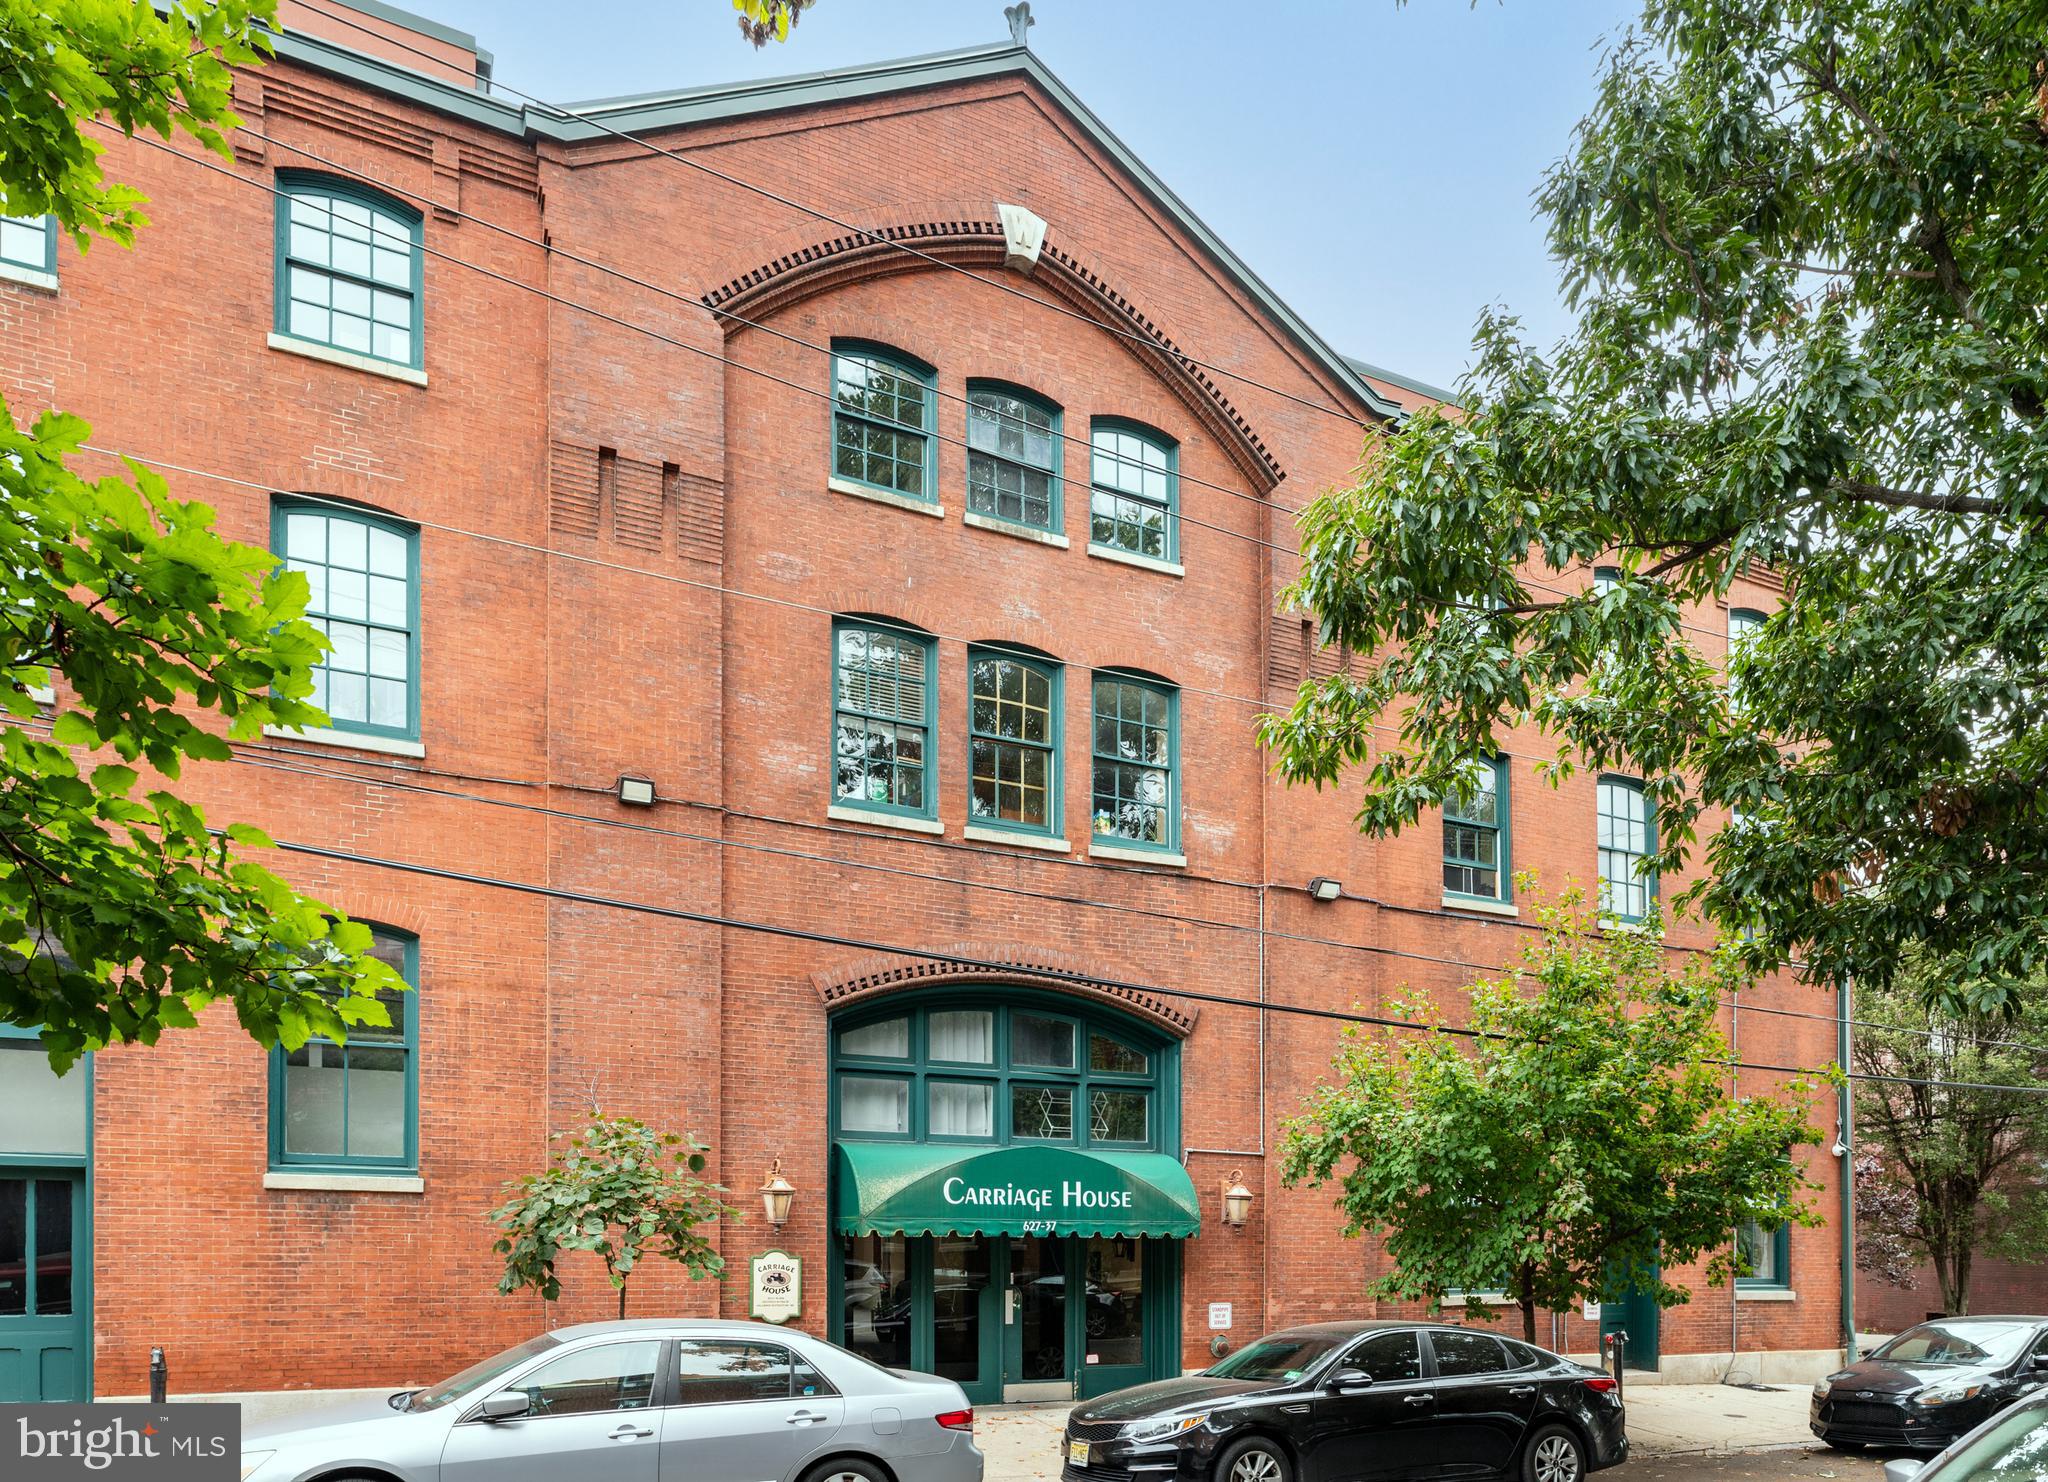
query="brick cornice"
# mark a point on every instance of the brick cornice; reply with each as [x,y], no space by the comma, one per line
[885,973]
[794,276]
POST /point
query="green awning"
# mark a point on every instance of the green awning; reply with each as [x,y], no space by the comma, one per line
[961,1189]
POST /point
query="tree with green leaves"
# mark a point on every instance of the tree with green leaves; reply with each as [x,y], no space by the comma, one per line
[1807,245]
[132,635]
[763,21]
[1962,1159]
[618,1190]
[1575,1135]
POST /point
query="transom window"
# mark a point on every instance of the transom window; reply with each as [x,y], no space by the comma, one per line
[362,572]
[1626,829]
[29,242]
[882,422]
[882,718]
[1135,745]
[354,1105]
[996,1073]
[1476,835]
[1013,445]
[348,269]
[1013,753]
[1134,492]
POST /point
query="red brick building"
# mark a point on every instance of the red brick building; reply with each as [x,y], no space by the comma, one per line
[923,567]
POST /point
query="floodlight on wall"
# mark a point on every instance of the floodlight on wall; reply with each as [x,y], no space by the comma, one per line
[636,792]
[777,1193]
[1323,888]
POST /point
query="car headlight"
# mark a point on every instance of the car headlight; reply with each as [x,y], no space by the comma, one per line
[252,1460]
[1160,1430]
[1947,1394]
[1820,1389]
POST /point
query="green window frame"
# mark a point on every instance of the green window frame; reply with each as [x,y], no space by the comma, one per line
[1477,858]
[1134,793]
[1626,834]
[314,1121]
[1013,456]
[1013,742]
[1743,623]
[1134,490]
[363,570]
[884,717]
[883,410]
[1605,579]
[350,269]
[29,242]
[1768,1254]
[1113,1089]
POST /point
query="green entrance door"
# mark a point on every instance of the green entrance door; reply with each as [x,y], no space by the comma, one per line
[1634,1312]
[42,1265]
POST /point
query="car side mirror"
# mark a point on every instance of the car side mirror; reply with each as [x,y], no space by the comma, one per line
[1903,1469]
[2039,1360]
[507,1404]
[1350,1382]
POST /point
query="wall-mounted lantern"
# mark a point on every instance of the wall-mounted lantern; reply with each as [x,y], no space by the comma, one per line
[1237,1201]
[776,1194]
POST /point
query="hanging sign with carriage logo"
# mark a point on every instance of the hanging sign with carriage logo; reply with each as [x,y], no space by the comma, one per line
[777,1286]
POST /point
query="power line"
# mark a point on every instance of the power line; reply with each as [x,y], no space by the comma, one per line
[831,220]
[982,964]
[407,244]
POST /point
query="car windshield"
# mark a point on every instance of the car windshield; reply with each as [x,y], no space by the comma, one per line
[477,1375]
[2013,1449]
[1280,1359]
[1958,1343]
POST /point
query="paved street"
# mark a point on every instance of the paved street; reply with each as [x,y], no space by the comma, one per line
[1679,1431]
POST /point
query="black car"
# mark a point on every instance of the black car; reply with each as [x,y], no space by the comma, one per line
[1932,1383]
[1353,1402]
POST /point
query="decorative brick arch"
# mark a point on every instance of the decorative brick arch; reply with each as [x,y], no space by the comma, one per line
[795,276]
[886,973]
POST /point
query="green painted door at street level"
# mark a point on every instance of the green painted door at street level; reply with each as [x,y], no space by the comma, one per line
[42,1277]
[1634,1312]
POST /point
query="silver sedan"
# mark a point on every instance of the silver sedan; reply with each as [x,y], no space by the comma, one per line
[641,1401]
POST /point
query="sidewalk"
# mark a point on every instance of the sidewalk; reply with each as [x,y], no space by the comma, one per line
[1022,1442]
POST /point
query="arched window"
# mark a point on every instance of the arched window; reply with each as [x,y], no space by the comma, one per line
[348,269]
[883,708]
[1013,456]
[1134,498]
[1135,782]
[362,578]
[882,422]
[1013,746]
[995,1069]
[1626,834]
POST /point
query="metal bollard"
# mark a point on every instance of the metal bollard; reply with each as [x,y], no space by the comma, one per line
[1619,1343]
[159,1377]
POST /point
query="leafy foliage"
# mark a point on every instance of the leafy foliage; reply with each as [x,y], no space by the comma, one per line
[763,21]
[1968,1160]
[121,911]
[618,1189]
[1577,1138]
[1807,241]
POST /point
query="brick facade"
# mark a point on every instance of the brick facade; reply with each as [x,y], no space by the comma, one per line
[629,559]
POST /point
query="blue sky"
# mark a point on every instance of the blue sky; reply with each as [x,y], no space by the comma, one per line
[1373,164]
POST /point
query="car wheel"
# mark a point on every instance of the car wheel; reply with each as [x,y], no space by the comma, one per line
[1554,1455]
[845,1469]
[1254,1459]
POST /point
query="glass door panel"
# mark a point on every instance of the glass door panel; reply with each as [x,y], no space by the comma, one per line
[1113,1319]
[1038,1295]
[964,1322]
[42,1304]
[875,1298]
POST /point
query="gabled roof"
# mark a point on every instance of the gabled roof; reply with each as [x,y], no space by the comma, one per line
[650,112]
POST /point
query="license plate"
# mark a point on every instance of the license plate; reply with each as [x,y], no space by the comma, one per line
[1077,1453]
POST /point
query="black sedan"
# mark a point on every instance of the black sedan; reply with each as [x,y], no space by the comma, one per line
[1353,1402]
[1932,1383]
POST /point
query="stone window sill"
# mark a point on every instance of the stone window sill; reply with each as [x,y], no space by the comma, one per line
[1765,1294]
[347,1183]
[1022,841]
[1482,905]
[1002,526]
[14,272]
[884,496]
[1128,558]
[846,813]
[1135,855]
[347,740]
[367,363]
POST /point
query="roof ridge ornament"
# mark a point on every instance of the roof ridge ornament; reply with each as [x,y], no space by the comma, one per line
[1019,17]
[1023,237]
